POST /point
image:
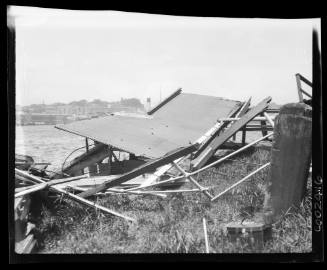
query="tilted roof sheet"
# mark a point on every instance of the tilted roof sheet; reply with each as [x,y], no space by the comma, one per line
[178,123]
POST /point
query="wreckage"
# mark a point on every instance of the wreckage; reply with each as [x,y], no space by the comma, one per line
[128,154]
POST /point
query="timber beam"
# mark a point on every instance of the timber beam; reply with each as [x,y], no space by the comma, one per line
[146,168]
[224,136]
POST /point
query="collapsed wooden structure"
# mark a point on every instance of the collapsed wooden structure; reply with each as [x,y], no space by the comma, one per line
[135,154]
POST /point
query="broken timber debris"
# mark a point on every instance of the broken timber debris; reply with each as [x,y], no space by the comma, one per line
[94,155]
[300,78]
[218,141]
[73,196]
[242,111]
[205,235]
[141,170]
[240,181]
[184,119]
[167,126]
[41,186]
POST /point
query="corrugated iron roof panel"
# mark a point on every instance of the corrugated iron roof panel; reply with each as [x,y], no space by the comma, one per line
[179,122]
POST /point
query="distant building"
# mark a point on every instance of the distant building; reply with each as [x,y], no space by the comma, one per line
[75,110]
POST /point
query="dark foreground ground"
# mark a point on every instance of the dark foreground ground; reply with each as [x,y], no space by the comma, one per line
[174,224]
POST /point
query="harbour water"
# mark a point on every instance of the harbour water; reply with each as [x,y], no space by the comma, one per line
[45,143]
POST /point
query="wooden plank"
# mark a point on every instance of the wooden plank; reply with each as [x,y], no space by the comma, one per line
[305,80]
[242,111]
[233,119]
[31,190]
[113,191]
[307,94]
[26,245]
[175,181]
[217,131]
[165,101]
[298,83]
[75,197]
[240,181]
[201,188]
[272,110]
[263,124]
[159,172]
[253,128]
[23,179]
[205,235]
[41,186]
[218,141]
[147,167]
[19,189]
[257,126]
[269,119]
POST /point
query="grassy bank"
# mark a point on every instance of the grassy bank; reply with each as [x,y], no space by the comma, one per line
[174,224]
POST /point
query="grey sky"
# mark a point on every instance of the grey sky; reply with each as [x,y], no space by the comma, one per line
[71,55]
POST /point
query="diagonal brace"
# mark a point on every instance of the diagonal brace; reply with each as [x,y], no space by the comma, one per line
[188,176]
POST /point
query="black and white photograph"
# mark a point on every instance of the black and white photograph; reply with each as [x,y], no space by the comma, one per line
[144,133]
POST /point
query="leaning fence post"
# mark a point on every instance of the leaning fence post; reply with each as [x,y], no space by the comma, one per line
[290,159]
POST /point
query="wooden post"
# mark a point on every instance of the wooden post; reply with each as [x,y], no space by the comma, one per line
[242,111]
[87,144]
[243,136]
[290,161]
[298,84]
[263,124]
[110,160]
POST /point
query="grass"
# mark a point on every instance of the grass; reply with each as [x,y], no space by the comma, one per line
[174,224]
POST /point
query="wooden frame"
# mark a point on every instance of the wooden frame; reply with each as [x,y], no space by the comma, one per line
[236,126]
[300,78]
[72,196]
[242,111]
[147,167]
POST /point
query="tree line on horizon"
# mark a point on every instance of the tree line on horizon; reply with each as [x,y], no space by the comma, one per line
[127,102]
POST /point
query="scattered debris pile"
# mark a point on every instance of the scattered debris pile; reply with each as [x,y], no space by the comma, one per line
[153,154]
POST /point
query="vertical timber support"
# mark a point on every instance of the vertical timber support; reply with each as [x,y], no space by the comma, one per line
[263,124]
[87,149]
[87,144]
[110,160]
[290,161]
[298,84]
[243,135]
